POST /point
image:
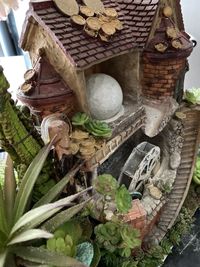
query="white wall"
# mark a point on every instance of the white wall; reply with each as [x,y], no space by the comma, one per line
[191,15]
[20,14]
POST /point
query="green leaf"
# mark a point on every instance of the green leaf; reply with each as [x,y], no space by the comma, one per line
[43,256]
[106,184]
[97,256]
[30,235]
[9,190]
[57,189]
[130,236]
[29,180]
[123,199]
[3,256]
[62,217]
[32,264]
[193,95]
[38,215]
[3,239]
[3,222]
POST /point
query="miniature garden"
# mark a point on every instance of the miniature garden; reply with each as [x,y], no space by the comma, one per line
[102,165]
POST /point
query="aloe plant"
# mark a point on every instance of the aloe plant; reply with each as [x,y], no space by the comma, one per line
[19,225]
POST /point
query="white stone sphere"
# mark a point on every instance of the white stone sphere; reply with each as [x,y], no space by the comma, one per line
[104,95]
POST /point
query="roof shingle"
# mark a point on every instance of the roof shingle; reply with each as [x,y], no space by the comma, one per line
[136,15]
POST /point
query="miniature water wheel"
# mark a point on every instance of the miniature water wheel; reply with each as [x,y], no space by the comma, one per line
[139,166]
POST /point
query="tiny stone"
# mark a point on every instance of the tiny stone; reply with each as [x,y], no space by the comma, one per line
[148,209]
[155,192]
[175,160]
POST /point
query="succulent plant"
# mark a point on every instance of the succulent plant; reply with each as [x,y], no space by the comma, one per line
[62,244]
[123,199]
[80,118]
[130,236]
[193,95]
[108,236]
[117,237]
[72,228]
[94,127]
[98,128]
[106,184]
[196,174]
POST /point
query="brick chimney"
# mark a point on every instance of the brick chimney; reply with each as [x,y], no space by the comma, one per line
[164,60]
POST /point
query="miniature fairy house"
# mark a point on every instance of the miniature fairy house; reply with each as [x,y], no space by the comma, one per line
[140,47]
[75,55]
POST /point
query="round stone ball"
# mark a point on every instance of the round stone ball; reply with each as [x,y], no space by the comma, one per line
[104,95]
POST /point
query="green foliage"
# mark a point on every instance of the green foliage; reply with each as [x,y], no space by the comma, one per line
[166,246]
[2,167]
[115,237]
[98,128]
[72,228]
[62,244]
[94,127]
[108,236]
[97,256]
[123,199]
[79,119]
[17,225]
[20,139]
[196,175]
[155,256]
[130,236]
[106,184]
[113,260]
[38,256]
[193,95]
[68,240]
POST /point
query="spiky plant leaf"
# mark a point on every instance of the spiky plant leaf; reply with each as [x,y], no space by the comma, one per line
[38,215]
[62,217]
[29,180]
[57,189]
[31,264]
[9,189]
[30,235]
[97,256]
[3,224]
[3,239]
[3,256]
[43,256]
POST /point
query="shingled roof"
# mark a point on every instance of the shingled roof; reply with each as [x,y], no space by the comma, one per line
[136,15]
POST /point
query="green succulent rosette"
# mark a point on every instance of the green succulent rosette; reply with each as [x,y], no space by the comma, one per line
[106,184]
[193,95]
[123,199]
